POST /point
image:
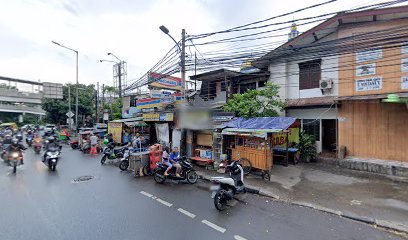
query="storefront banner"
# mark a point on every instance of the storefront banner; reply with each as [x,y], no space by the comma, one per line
[159,94]
[162,133]
[366,69]
[130,112]
[404,82]
[116,130]
[369,84]
[368,55]
[167,100]
[404,65]
[156,117]
[148,103]
[178,98]
[279,139]
[165,81]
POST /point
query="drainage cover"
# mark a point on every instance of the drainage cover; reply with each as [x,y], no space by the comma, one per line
[83,179]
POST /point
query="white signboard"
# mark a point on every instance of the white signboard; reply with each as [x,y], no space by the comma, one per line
[366,69]
[368,55]
[52,90]
[369,84]
[404,82]
[159,94]
[404,49]
[404,65]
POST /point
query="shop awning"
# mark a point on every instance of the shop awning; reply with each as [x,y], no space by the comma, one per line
[136,124]
[128,120]
[257,127]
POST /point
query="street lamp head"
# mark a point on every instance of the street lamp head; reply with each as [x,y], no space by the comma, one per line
[109,53]
[100,60]
[56,43]
[164,29]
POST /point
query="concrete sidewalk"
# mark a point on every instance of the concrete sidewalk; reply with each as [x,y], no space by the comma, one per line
[372,198]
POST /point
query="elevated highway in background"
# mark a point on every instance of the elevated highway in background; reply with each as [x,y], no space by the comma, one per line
[15,101]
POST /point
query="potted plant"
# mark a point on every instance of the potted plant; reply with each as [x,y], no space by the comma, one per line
[306,146]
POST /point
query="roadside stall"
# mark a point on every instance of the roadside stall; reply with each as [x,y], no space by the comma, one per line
[128,125]
[252,141]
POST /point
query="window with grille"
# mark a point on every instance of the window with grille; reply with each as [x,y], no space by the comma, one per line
[312,127]
[309,74]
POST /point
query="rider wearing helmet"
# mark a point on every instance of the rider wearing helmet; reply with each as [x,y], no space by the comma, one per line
[52,145]
[16,146]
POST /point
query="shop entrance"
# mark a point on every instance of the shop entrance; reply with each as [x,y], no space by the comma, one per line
[329,135]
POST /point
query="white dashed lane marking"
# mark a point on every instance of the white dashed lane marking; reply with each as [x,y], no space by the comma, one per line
[146,194]
[164,202]
[187,213]
[214,226]
[237,237]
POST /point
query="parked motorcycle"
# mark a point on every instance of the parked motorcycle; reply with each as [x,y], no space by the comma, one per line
[51,158]
[225,188]
[29,140]
[74,144]
[14,159]
[187,172]
[110,152]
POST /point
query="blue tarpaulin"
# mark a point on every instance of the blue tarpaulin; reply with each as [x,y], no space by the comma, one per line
[270,123]
[257,127]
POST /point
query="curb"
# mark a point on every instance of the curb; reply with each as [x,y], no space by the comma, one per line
[349,215]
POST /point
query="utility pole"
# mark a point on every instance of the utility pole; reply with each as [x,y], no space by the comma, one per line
[77,86]
[69,106]
[120,80]
[183,61]
[195,70]
[96,103]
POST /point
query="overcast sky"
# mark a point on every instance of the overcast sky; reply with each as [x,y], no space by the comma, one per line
[128,28]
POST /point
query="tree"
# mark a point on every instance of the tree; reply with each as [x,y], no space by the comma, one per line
[256,103]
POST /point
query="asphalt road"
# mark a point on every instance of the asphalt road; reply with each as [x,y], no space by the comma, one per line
[39,204]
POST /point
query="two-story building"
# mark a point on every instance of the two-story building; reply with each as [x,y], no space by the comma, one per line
[336,77]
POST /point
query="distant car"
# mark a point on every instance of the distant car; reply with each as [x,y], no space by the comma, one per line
[49,127]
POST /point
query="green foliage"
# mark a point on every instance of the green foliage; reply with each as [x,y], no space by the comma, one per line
[115,111]
[256,103]
[306,146]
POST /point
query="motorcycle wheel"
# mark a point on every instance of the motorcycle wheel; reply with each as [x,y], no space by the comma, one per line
[159,177]
[74,146]
[103,159]
[192,177]
[146,170]
[220,201]
[14,167]
[53,167]
[123,165]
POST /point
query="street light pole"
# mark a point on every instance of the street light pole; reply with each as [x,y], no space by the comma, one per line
[77,82]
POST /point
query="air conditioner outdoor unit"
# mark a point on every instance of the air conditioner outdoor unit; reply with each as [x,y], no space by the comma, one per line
[326,84]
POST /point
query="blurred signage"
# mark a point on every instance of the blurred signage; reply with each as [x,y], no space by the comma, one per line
[404,48]
[159,94]
[369,84]
[116,129]
[165,81]
[404,65]
[148,103]
[404,82]
[158,117]
[368,55]
[366,69]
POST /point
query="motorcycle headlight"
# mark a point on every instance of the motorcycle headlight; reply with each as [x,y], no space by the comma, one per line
[14,155]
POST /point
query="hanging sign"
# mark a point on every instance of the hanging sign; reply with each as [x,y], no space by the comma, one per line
[369,84]
[159,94]
[148,103]
[158,117]
[165,81]
[366,69]
[368,55]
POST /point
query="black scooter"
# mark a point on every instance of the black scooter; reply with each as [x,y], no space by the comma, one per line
[111,153]
[187,172]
